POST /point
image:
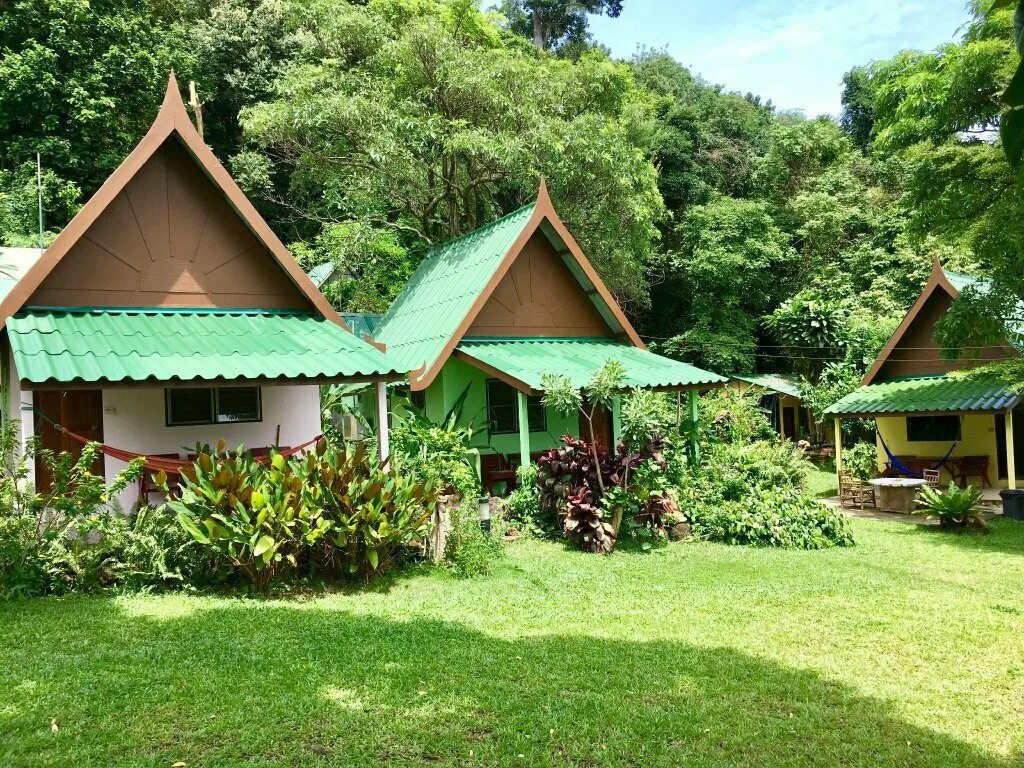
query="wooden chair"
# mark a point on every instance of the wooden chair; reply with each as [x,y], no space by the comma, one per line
[972,466]
[146,484]
[495,469]
[931,477]
[855,491]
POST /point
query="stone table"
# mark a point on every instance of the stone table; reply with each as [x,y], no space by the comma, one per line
[897,494]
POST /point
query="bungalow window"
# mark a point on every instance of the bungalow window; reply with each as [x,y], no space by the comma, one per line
[941,429]
[209,405]
[503,410]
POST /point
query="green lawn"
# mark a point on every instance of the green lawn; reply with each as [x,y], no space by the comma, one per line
[907,650]
[822,484]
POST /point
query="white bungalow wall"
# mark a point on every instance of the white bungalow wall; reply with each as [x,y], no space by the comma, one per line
[133,419]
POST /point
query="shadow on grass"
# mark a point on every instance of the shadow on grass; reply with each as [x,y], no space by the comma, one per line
[267,684]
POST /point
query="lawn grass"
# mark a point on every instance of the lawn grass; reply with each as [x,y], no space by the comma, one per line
[907,650]
[822,484]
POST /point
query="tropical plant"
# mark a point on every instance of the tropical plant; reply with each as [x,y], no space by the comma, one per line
[811,329]
[954,507]
[862,460]
[591,491]
[368,513]
[249,513]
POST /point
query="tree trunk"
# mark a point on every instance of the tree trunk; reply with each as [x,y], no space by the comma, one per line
[538,30]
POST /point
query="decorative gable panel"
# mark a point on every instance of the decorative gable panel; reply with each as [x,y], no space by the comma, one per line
[169,239]
[538,296]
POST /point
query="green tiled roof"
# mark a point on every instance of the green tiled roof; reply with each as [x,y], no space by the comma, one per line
[321,273]
[936,394]
[776,382]
[186,345]
[527,360]
[441,292]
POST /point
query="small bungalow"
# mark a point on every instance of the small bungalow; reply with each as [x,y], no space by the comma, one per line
[780,398]
[928,419]
[485,316]
[168,313]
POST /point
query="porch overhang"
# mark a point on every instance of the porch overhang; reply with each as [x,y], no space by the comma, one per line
[927,396]
[522,363]
[76,348]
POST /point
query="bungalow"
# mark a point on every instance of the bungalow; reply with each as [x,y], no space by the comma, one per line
[927,418]
[485,316]
[780,398]
[168,313]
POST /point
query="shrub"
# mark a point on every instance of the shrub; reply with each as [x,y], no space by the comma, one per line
[592,491]
[471,551]
[955,507]
[778,518]
[728,416]
[755,493]
[248,513]
[862,460]
[70,537]
[521,510]
[338,507]
[369,512]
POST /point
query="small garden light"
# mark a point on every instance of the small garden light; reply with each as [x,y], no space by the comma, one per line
[485,513]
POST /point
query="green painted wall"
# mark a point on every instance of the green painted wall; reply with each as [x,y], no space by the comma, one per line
[445,391]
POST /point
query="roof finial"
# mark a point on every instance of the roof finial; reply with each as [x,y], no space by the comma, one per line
[542,193]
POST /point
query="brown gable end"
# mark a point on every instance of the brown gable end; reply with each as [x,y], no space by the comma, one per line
[911,350]
[172,203]
[168,239]
[538,296]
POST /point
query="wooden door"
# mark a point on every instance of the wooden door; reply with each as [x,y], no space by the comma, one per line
[602,425]
[79,410]
[789,422]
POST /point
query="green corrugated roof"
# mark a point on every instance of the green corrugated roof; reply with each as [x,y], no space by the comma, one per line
[441,292]
[934,394]
[321,273]
[361,322]
[527,360]
[184,345]
[776,382]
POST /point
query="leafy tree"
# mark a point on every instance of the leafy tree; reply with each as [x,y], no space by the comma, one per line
[555,24]
[426,121]
[858,117]
[79,83]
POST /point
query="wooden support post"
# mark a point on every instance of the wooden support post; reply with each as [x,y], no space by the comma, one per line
[383,443]
[616,420]
[691,400]
[28,431]
[1011,470]
[524,431]
[839,445]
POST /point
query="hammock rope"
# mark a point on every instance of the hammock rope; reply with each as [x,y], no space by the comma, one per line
[159,463]
[902,468]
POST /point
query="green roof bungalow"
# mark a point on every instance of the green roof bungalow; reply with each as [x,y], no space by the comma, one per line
[167,313]
[780,398]
[488,314]
[927,416]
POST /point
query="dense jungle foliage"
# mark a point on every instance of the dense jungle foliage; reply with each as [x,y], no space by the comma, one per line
[736,236]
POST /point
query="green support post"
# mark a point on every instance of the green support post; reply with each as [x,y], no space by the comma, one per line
[691,399]
[524,431]
[616,419]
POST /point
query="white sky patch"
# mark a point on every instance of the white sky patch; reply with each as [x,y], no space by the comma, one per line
[795,56]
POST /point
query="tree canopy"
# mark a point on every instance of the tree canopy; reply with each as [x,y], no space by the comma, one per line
[736,235]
